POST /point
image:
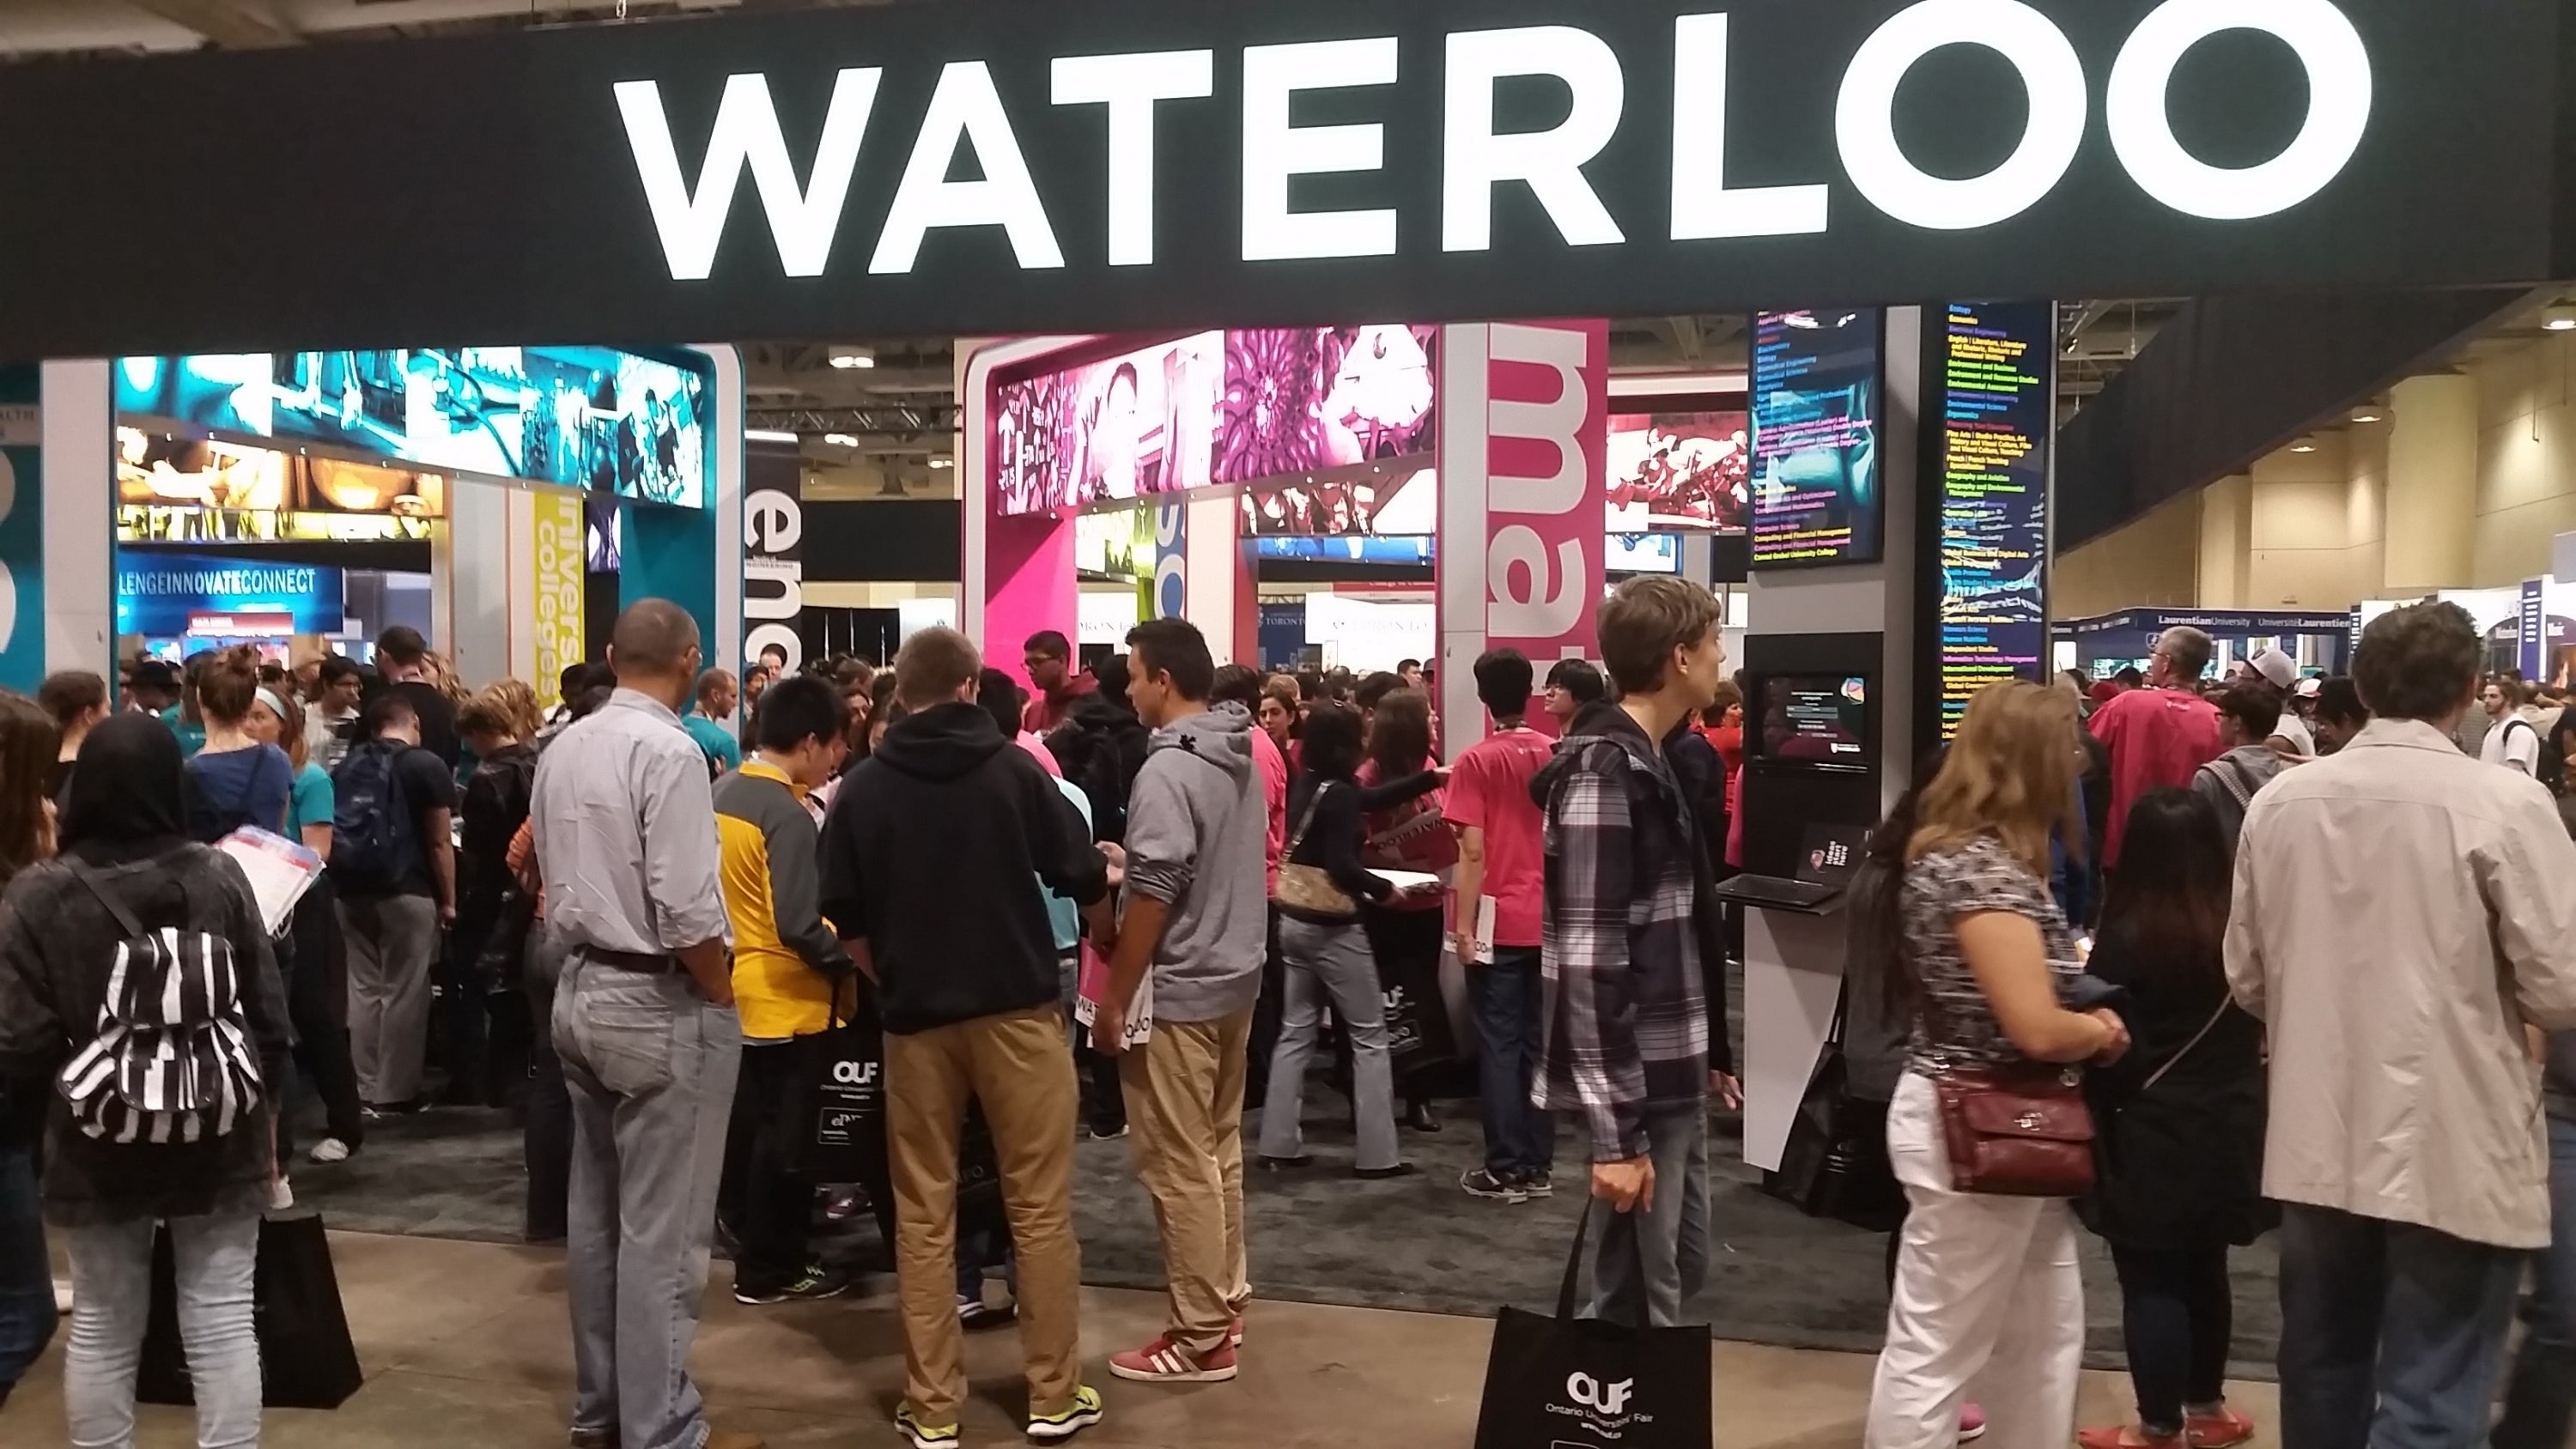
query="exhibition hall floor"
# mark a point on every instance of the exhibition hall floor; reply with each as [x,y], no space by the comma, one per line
[465,1344]
[1318,1236]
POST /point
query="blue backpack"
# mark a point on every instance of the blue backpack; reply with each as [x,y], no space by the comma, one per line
[371,826]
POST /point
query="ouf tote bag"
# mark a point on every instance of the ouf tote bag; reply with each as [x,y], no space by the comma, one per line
[834,1107]
[1579,1383]
[306,1359]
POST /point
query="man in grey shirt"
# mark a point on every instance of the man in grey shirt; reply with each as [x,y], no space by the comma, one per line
[1196,915]
[626,842]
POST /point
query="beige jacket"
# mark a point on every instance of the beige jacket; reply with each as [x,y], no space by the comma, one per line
[2401,912]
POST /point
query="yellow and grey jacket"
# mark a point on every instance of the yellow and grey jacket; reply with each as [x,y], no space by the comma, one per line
[787,960]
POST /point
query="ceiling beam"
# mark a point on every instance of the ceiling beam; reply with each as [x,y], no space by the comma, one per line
[231,24]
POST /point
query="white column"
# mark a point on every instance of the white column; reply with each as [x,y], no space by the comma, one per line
[80,517]
[473,596]
[2432,501]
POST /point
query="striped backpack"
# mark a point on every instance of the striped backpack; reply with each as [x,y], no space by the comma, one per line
[172,1061]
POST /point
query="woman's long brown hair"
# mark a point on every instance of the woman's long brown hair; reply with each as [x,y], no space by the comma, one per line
[29,739]
[2010,774]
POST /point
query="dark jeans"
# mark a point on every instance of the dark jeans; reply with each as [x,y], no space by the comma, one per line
[1520,1140]
[26,1275]
[2392,1335]
[2542,1401]
[769,1209]
[317,1007]
[1267,1013]
[546,1129]
[464,1022]
[2177,1314]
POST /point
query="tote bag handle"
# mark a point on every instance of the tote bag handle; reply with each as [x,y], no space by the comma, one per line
[1574,1260]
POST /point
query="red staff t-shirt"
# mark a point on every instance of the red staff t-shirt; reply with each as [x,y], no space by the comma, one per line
[1489,788]
[2158,738]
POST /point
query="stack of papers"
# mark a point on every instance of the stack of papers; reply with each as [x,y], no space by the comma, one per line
[280,871]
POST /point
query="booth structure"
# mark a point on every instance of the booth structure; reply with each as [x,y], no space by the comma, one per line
[1128,168]
[201,500]
[2105,644]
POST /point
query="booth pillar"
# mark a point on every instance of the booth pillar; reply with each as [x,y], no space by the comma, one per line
[2226,542]
[1793,961]
[58,523]
[2432,499]
[474,593]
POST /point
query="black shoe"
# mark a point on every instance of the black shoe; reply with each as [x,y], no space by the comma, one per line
[814,1283]
[1379,1174]
[1286,1164]
[1479,1182]
[1422,1117]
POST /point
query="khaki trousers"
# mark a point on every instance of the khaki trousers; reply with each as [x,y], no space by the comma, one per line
[1020,1067]
[1185,1107]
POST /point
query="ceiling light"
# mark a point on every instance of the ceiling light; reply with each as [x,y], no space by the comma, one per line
[841,440]
[769,435]
[853,357]
[943,463]
[2559,319]
[2304,445]
[2369,413]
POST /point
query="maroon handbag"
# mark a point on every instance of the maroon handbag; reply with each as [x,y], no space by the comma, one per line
[2018,1131]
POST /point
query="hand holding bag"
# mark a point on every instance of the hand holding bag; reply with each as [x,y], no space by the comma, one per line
[1582,1383]
[2017,1131]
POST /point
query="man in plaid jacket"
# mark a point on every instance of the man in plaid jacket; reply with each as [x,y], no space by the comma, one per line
[1632,961]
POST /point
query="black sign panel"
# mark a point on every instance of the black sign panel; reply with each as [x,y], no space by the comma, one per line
[951,167]
[1990,452]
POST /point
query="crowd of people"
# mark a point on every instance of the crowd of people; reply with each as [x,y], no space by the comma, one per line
[2292,952]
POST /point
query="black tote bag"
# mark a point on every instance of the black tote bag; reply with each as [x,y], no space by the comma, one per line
[306,1360]
[833,1107]
[1835,1162]
[1580,1383]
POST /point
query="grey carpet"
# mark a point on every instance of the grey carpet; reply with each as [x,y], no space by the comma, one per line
[1320,1236]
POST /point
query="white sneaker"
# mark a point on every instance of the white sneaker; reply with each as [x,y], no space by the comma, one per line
[281,1196]
[328,1150]
[62,1295]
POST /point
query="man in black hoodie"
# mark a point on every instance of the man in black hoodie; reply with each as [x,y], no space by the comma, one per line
[932,859]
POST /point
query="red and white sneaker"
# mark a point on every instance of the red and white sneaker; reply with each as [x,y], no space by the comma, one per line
[1972,1423]
[1234,1335]
[1163,1362]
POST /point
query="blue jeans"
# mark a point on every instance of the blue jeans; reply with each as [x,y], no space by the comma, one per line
[2392,1335]
[214,1260]
[651,1067]
[26,1277]
[1520,1140]
[2542,1401]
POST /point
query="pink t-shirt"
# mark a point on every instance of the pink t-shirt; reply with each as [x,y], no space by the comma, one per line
[1045,756]
[2157,738]
[1489,789]
[1274,798]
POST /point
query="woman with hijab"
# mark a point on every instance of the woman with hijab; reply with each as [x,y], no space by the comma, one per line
[125,839]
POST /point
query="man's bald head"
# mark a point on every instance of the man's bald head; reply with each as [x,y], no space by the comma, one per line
[654,649]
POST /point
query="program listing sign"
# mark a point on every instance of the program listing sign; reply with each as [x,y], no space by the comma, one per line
[1815,438]
[1997,406]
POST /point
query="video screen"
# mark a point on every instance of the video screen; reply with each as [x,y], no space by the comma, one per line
[1393,502]
[1218,407]
[1815,473]
[1350,548]
[589,417]
[160,470]
[1816,719]
[603,547]
[1673,470]
[1644,553]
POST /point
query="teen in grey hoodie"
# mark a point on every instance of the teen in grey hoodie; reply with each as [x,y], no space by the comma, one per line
[1194,913]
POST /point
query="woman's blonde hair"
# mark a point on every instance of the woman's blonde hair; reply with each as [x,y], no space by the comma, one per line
[519,703]
[2010,774]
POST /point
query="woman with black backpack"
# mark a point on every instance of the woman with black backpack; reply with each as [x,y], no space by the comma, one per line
[96,948]
[236,780]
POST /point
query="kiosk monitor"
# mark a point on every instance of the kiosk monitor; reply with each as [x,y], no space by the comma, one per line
[1816,721]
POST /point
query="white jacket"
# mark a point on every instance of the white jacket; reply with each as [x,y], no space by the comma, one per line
[2401,912]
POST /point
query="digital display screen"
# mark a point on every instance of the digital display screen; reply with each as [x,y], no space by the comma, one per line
[1350,548]
[1679,471]
[158,469]
[159,523]
[1997,401]
[588,417]
[1386,498]
[1816,719]
[603,546]
[1245,407]
[1644,553]
[1815,438]
[175,593]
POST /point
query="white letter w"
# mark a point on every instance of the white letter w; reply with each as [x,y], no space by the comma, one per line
[803,220]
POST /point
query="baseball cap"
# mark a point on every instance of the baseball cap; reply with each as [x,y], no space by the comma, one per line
[2310,687]
[2277,667]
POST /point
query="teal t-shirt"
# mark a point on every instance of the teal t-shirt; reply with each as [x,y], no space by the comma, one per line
[1062,913]
[312,802]
[715,739]
[192,737]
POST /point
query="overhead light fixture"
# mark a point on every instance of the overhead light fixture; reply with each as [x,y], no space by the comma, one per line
[2559,319]
[2369,413]
[853,357]
[769,435]
[2304,445]
[841,440]
[943,462]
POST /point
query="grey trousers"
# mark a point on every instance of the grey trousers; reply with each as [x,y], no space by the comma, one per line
[1330,961]
[1654,1259]
[391,941]
[650,1066]
[112,1297]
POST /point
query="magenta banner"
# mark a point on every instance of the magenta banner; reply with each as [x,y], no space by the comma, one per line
[1547,409]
